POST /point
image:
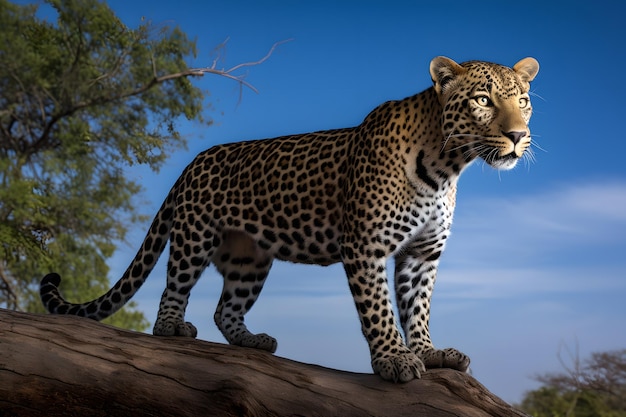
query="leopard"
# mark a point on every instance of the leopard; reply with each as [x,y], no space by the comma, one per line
[382,190]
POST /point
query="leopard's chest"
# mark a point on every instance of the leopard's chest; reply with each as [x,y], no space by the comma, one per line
[424,220]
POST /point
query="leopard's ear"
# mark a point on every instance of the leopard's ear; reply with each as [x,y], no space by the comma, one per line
[527,69]
[442,71]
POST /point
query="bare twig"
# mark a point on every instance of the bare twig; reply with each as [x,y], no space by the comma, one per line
[260,61]
[218,52]
[229,73]
[575,371]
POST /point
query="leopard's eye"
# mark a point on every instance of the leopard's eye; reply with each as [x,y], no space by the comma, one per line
[524,102]
[483,101]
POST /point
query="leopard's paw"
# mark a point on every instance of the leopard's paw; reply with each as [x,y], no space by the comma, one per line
[258,341]
[399,367]
[446,358]
[174,328]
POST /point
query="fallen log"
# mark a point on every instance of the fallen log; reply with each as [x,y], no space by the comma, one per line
[70,366]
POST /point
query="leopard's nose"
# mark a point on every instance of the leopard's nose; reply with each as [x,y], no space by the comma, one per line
[515,135]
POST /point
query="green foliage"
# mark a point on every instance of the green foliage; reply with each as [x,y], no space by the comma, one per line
[545,402]
[550,402]
[595,388]
[80,98]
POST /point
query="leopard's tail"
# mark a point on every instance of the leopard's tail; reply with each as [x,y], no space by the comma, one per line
[135,275]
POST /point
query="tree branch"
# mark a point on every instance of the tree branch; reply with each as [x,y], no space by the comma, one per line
[125,373]
[227,73]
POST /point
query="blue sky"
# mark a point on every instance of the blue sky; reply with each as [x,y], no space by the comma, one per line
[537,256]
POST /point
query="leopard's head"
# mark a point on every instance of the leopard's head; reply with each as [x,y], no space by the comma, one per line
[486,108]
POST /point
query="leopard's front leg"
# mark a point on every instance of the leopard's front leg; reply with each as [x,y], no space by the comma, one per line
[391,358]
[416,271]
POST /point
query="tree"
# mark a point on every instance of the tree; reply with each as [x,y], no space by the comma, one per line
[594,387]
[80,99]
[124,373]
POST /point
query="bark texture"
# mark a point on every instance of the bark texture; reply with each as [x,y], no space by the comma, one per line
[69,366]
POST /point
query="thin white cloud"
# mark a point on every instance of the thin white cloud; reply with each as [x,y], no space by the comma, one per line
[564,240]
[511,282]
[524,228]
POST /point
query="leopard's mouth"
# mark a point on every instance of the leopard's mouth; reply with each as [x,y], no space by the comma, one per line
[504,162]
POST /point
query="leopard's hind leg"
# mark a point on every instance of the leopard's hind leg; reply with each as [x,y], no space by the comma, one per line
[244,267]
[191,250]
